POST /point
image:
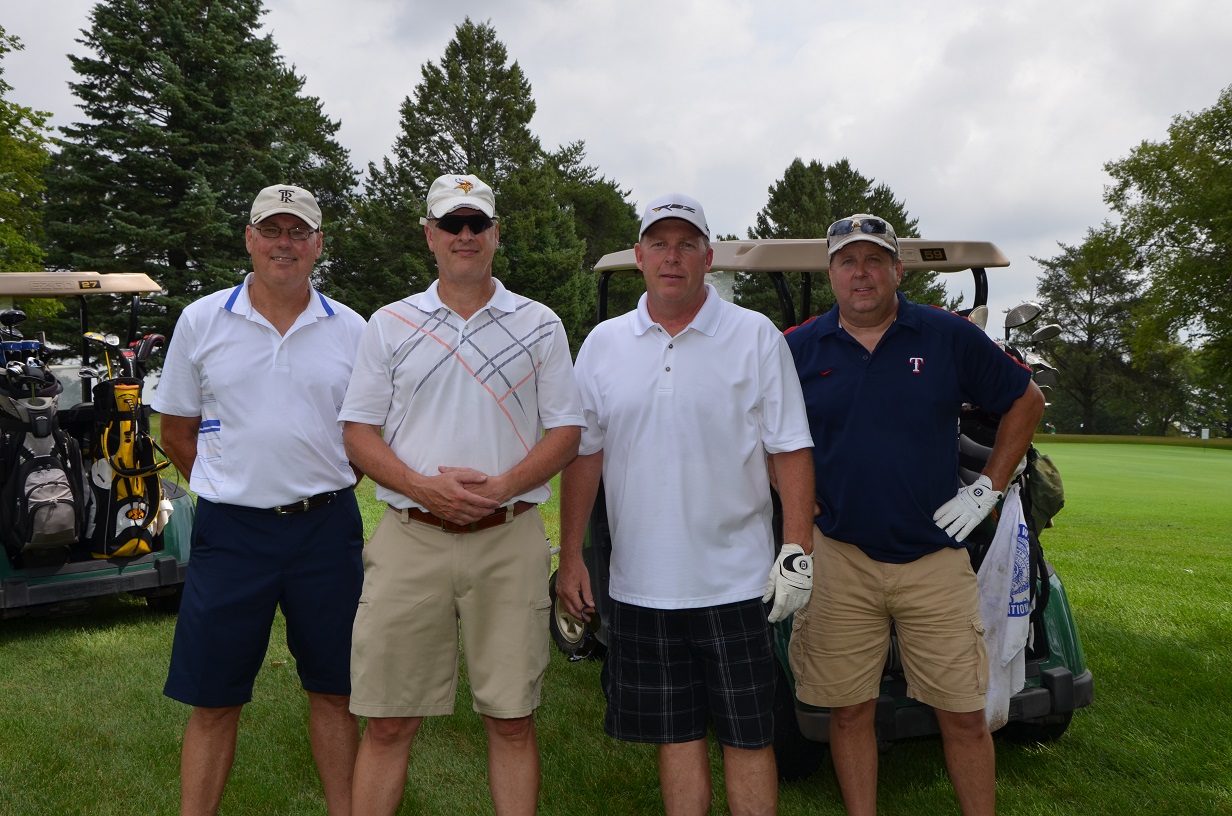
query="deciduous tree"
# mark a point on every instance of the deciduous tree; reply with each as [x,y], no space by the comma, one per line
[1176,200]
[1091,290]
[23,156]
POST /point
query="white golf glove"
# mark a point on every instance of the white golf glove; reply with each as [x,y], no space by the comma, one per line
[790,583]
[961,514]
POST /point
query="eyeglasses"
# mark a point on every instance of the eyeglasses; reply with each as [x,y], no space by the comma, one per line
[274,232]
[870,226]
[453,224]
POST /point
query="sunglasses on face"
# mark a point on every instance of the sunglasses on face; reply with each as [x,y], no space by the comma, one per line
[870,226]
[453,224]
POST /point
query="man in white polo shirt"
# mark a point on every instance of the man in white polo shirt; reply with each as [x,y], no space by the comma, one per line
[447,410]
[249,398]
[687,399]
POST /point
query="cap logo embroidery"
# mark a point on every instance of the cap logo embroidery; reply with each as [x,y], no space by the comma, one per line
[284,196]
[915,364]
[674,207]
[464,185]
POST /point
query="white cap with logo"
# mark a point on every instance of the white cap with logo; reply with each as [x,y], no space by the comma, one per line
[451,192]
[675,205]
[286,198]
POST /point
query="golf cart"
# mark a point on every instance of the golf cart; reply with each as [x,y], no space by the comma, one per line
[86,509]
[1057,678]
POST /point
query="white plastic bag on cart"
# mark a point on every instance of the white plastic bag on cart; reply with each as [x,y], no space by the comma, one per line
[1005,607]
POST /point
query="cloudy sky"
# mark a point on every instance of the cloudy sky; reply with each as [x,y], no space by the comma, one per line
[991,120]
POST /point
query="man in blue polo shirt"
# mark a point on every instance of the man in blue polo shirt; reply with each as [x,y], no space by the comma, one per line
[884,380]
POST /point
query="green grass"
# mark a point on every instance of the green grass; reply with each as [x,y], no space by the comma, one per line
[1142,546]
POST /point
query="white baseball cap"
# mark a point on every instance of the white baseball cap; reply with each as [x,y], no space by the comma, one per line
[451,192]
[286,198]
[675,205]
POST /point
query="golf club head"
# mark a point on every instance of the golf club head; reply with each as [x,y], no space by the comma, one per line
[11,317]
[1046,376]
[1044,333]
[1035,361]
[1011,351]
[1022,314]
[979,316]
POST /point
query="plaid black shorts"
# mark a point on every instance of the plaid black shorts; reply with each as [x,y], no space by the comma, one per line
[669,671]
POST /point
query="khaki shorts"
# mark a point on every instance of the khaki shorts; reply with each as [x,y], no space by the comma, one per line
[840,641]
[422,588]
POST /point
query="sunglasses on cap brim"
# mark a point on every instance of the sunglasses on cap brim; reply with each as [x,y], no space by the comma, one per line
[869,226]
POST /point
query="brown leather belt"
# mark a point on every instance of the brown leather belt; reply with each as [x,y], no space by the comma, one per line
[502,516]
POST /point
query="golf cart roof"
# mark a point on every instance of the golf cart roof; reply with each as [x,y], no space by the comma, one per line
[69,284]
[809,255]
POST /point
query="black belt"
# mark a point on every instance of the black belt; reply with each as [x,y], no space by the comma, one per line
[304,505]
[502,516]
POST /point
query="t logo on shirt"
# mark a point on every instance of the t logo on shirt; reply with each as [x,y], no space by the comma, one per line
[915,364]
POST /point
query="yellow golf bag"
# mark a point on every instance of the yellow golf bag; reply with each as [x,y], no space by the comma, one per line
[128,497]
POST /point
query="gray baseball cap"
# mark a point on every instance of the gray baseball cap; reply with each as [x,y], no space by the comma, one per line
[286,198]
[861,227]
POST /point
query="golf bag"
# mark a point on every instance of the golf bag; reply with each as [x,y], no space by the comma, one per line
[129,508]
[44,500]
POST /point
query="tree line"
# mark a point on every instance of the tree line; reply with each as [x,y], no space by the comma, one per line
[189,111]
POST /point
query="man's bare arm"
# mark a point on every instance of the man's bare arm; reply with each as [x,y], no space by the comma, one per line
[178,435]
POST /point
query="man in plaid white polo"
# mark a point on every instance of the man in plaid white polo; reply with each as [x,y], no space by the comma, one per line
[462,407]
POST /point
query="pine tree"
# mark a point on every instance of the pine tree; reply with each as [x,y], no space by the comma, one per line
[189,113]
[471,113]
[803,204]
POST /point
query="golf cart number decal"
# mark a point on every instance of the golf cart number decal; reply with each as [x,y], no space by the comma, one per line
[89,285]
[937,254]
[55,286]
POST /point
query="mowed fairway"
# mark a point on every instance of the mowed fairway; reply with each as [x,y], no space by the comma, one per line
[1142,545]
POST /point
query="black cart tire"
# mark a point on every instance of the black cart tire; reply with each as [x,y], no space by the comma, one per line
[1036,733]
[797,756]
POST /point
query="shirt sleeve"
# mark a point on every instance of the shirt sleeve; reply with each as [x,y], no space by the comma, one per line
[178,391]
[784,420]
[370,392]
[592,432]
[557,392]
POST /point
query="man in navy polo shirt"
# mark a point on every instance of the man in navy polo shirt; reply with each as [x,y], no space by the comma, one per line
[884,380]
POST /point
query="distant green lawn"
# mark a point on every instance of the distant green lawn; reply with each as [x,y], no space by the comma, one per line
[1142,544]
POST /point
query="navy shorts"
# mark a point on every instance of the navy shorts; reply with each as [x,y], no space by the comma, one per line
[245,564]
[671,671]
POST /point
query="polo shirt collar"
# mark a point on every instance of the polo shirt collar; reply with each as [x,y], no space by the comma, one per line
[705,321]
[238,302]
[430,301]
[908,317]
